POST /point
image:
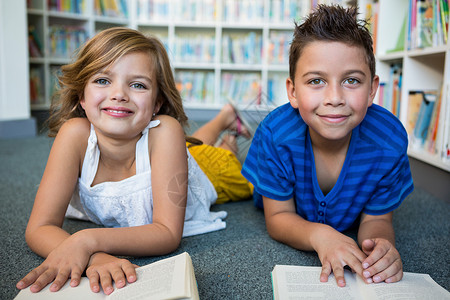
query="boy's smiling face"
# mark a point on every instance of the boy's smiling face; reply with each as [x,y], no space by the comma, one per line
[332,90]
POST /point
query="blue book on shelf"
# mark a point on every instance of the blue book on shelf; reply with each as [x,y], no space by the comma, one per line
[424,117]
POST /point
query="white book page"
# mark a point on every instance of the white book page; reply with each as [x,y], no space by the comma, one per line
[297,282]
[165,279]
[413,286]
[82,291]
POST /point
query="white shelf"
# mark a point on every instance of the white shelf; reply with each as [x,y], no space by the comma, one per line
[422,69]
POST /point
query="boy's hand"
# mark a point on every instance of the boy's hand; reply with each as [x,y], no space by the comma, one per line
[336,251]
[104,269]
[69,259]
[383,262]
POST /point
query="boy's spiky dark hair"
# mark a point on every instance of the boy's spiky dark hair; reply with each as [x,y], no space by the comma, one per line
[331,23]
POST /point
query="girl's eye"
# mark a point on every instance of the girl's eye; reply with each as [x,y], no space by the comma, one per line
[316,81]
[101,81]
[138,85]
[352,81]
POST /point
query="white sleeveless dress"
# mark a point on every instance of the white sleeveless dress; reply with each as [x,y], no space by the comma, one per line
[130,202]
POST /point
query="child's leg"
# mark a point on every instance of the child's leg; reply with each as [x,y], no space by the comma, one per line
[229,143]
[226,119]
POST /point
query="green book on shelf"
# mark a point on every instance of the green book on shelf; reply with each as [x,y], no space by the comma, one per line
[400,45]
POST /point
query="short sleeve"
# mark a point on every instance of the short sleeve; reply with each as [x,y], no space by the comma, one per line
[392,188]
[268,166]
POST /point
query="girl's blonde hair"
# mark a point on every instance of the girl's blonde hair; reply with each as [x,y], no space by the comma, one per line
[102,50]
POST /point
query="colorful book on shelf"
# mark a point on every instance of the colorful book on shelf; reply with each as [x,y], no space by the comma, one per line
[36,86]
[424,116]
[71,6]
[415,99]
[431,141]
[391,97]
[428,24]
[424,23]
[444,129]
[372,11]
[34,42]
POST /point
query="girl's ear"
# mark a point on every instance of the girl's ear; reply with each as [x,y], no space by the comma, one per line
[82,102]
[157,107]
[290,88]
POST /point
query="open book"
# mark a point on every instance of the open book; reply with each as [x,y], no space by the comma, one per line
[297,282]
[170,278]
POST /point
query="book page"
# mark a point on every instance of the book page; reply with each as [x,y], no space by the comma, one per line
[297,282]
[412,286]
[165,279]
[82,291]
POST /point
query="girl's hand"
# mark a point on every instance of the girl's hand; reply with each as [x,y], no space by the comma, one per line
[383,262]
[335,251]
[105,269]
[69,259]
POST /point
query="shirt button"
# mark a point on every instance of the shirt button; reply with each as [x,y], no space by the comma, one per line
[320,213]
[323,204]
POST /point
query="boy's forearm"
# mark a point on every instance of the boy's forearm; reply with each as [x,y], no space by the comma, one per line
[293,230]
[376,227]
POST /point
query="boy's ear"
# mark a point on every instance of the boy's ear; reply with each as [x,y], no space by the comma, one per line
[290,88]
[373,89]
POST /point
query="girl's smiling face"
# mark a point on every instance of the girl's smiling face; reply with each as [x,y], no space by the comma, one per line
[120,99]
[332,90]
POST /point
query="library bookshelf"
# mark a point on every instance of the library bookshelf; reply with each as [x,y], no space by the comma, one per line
[420,63]
[219,49]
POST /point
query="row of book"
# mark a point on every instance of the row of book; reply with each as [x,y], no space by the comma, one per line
[195,87]
[428,121]
[276,89]
[389,93]
[37,94]
[65,40]
[111,8]
[70,6]
[34,42]
[243,88]
[236,48]
[428,24]
[194,48]
[249,11]
[242,48]
[239,10]
[278,47]
[283,11]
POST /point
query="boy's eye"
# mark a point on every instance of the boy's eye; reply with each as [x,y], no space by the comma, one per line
[138,85]
[101,81]
[316,81]
[352,81]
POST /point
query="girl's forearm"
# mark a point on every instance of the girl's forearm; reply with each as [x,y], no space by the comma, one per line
[45,239]
[146,240]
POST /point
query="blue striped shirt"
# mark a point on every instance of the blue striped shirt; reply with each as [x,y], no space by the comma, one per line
[374,179]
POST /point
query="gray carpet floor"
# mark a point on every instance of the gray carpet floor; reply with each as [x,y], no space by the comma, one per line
[234,263]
